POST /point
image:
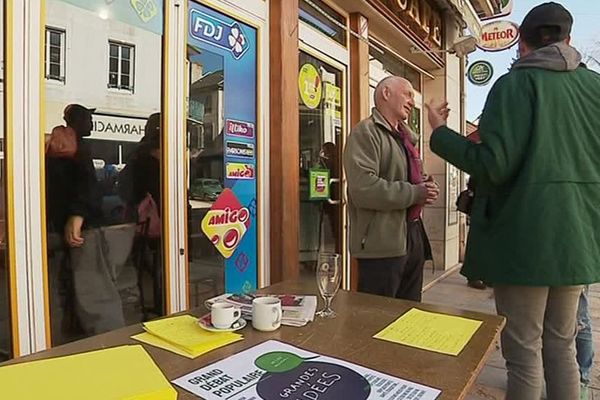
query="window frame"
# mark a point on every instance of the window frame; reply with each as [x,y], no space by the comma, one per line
[119,86]
[49,30]
[312,17]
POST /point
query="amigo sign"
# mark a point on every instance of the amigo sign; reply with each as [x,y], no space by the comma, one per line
[226,223]
[498,35]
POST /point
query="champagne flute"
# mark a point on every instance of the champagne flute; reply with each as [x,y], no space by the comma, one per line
[329,276]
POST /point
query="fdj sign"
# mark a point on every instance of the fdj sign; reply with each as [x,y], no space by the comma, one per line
[213,31]
[480,73]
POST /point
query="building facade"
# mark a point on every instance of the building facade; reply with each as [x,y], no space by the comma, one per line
[251,103]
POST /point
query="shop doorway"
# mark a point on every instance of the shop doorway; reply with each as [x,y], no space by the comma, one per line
[322,96]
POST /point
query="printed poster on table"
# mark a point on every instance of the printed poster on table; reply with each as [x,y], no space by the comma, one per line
[277,371]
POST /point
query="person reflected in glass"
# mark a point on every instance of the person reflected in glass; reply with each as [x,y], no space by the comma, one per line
[139,187]
[146,163]
[74,207]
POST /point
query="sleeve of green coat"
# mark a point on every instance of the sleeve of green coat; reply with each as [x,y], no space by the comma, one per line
[365,187]
[505,129]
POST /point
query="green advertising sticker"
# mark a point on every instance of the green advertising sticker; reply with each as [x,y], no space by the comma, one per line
[480,73]
[319,184]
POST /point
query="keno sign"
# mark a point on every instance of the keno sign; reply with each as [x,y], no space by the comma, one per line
[498,35]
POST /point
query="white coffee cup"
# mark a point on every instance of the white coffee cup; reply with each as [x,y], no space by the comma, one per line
[266,313]
[223,315]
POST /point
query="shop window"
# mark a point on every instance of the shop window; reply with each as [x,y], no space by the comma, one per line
[120,66]
[222,170]
[414,120]
[324,19]
[392,65]
[108,273]
[55,54]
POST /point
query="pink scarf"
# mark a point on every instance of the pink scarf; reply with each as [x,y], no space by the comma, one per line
[415,169]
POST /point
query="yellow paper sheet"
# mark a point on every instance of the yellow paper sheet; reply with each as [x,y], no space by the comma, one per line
[125,372]
[152,340]
[183,331]
[441,333]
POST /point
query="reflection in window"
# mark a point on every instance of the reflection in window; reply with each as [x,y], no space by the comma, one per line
[221,133]
[387,61]
[120,66]
[103,191]
[324,19]
[55,54]
[205,130]
[321,142]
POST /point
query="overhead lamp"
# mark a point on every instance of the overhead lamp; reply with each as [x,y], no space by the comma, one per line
[461,47]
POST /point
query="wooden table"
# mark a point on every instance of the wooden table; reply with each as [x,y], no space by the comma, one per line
[348,337]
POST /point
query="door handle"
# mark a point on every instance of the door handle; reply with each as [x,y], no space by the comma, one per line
[331,181]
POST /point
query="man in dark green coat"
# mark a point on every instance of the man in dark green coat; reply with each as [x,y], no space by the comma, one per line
[535,223]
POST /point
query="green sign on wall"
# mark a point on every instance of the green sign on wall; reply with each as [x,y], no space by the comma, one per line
[480,73]
[319,184]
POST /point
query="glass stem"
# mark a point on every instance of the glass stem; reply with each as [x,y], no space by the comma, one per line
[328,303]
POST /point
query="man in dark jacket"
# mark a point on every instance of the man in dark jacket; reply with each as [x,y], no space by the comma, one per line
[73,194]
[534,224]
[74,198]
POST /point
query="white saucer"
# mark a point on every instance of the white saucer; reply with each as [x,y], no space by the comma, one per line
[205,324]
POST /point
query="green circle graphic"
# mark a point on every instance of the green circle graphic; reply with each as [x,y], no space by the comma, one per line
[278,361]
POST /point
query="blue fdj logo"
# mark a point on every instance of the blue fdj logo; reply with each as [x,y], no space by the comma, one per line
[218,33]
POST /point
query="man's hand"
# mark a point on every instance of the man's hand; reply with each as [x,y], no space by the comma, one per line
[73,231]
[433,191]
[428,192]
[437,114]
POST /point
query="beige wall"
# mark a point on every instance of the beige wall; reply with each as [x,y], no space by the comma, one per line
[444,235]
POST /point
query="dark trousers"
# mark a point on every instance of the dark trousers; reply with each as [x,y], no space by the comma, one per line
[399,277]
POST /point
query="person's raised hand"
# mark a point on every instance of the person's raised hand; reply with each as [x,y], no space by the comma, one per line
[437,113]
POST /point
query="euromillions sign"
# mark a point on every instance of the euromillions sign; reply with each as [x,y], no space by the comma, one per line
[498,35]
[211,30]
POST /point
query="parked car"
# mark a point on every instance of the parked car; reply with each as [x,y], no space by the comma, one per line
[206,189]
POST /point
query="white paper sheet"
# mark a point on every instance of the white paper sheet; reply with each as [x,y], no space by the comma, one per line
[277,371]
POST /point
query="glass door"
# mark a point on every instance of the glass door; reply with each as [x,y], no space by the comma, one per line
[222,134]
[321,87]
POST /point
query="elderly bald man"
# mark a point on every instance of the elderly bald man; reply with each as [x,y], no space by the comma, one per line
[387,190]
